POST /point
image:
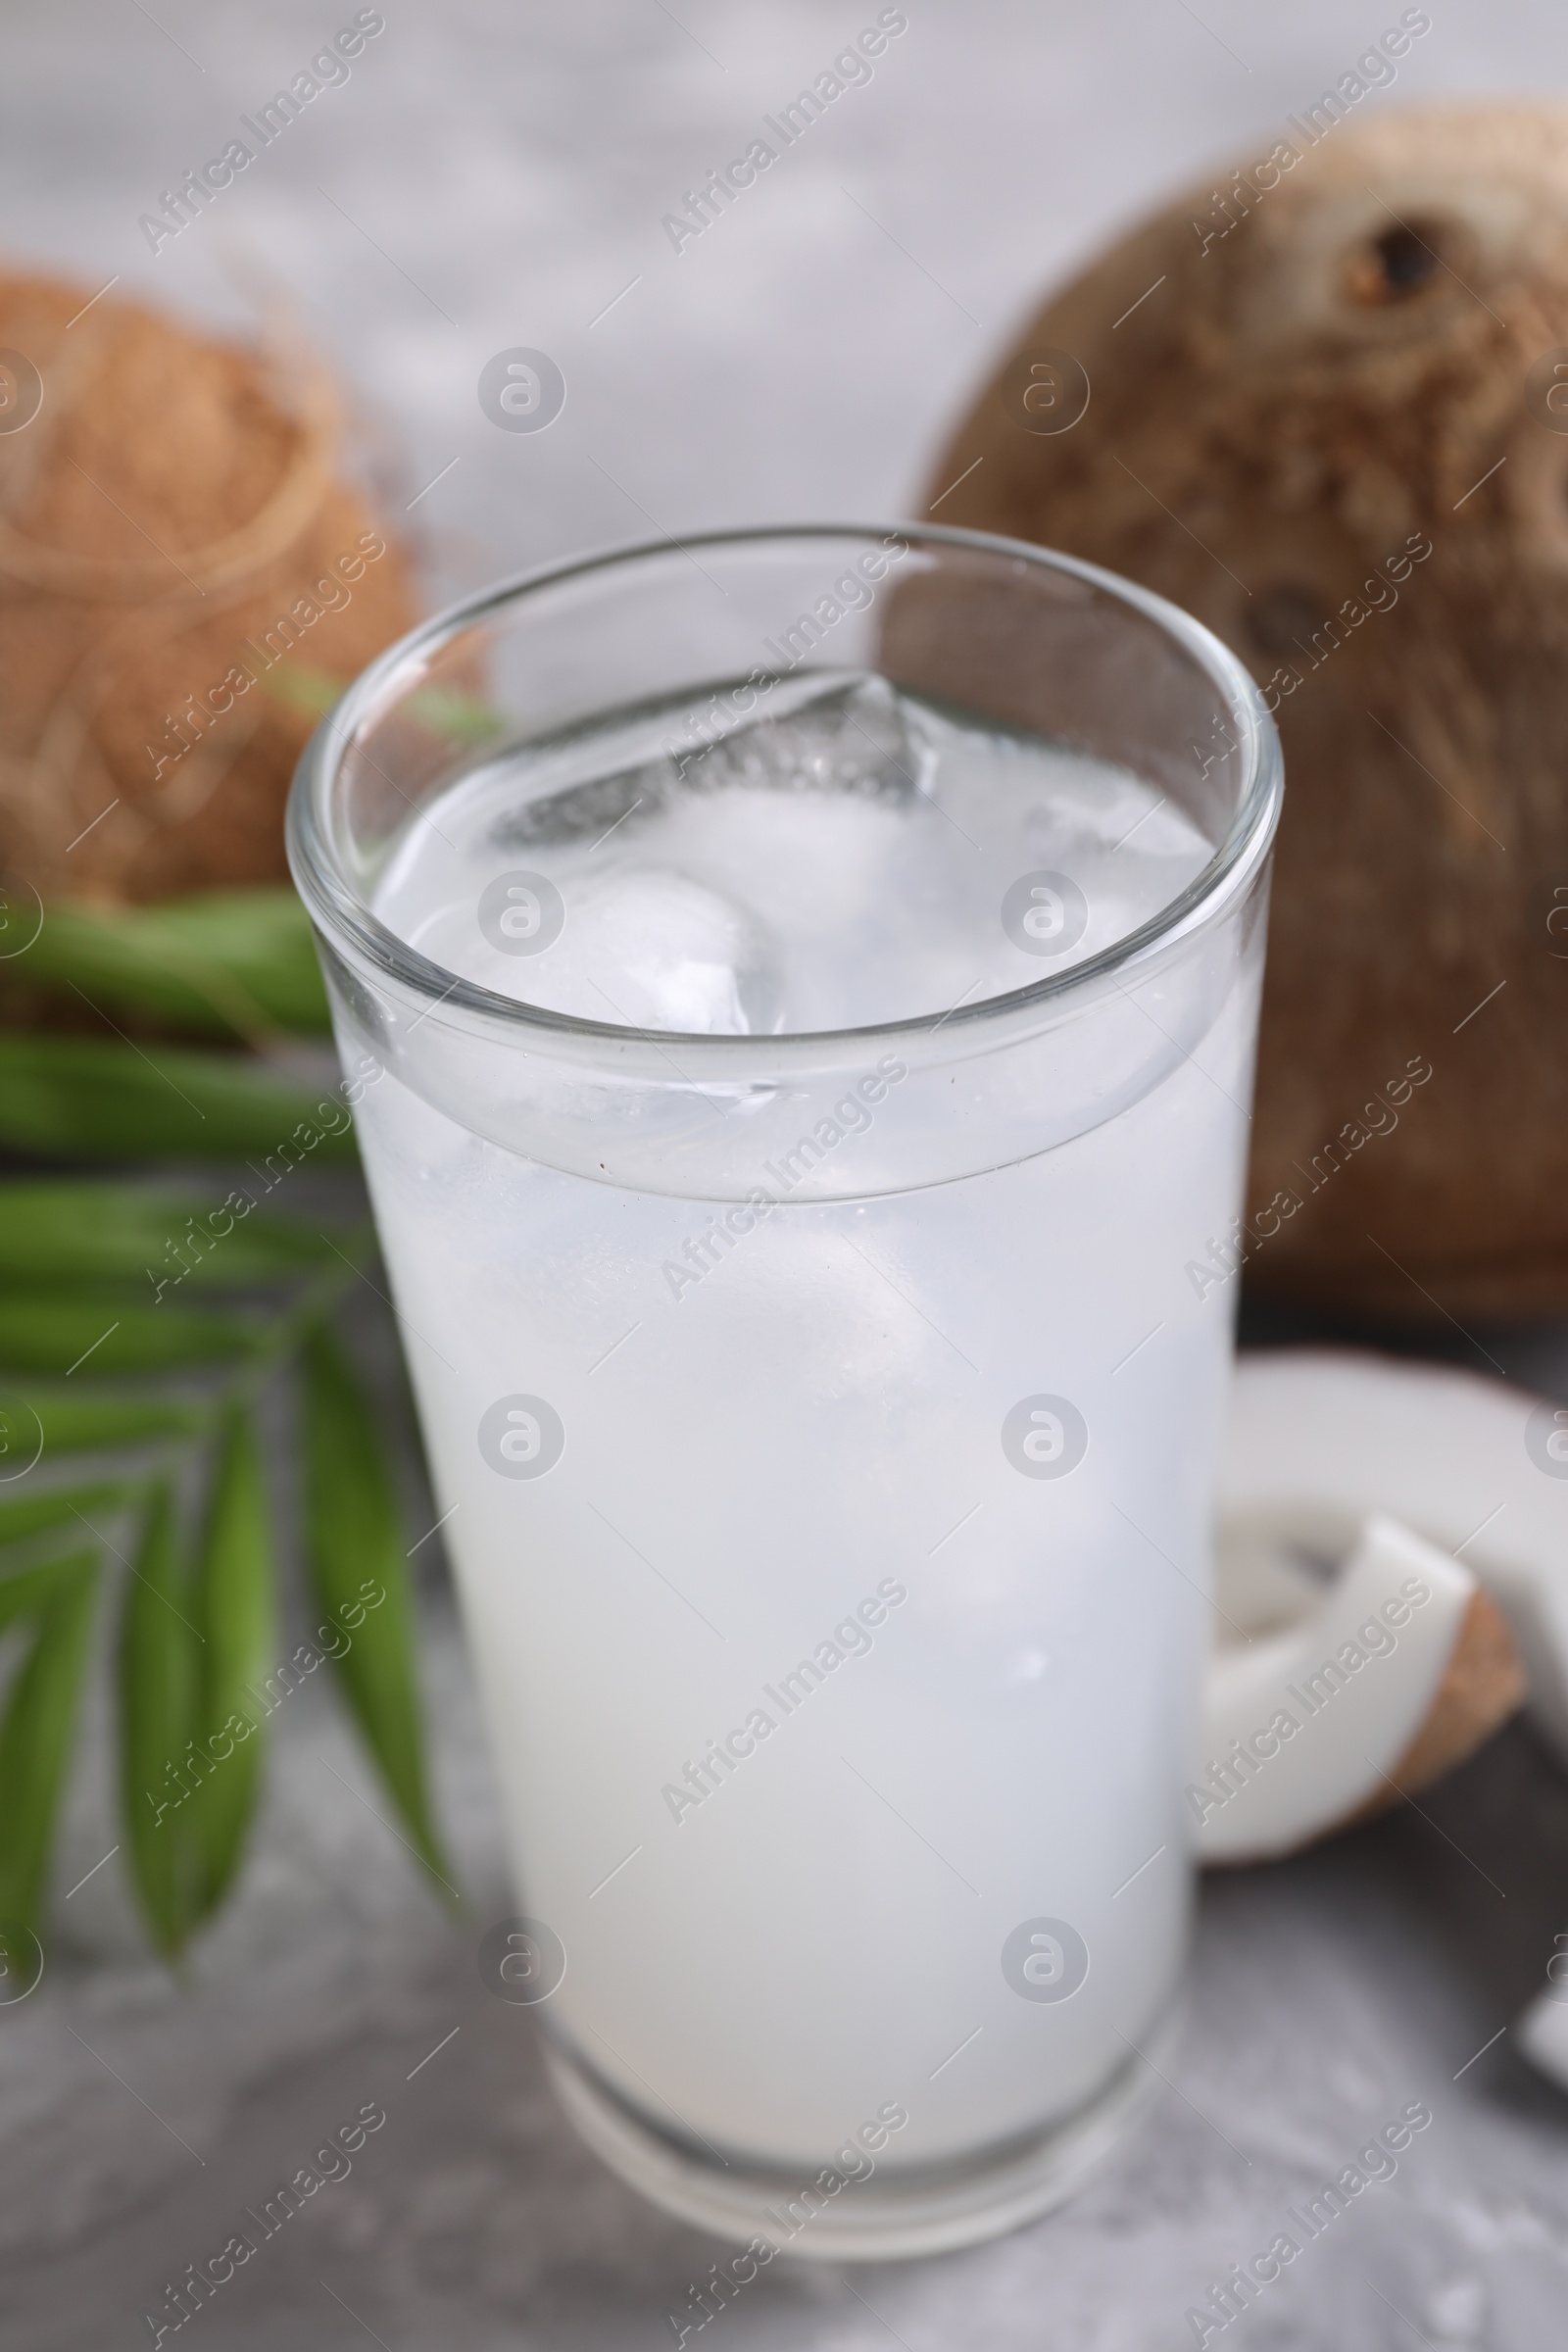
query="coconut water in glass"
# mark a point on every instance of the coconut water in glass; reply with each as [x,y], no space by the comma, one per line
[816,975]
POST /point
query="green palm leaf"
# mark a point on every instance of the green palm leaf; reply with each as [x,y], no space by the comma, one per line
[157,1671]
[82,1420]
[238,961]
[35,1738]
[62,1334]
[76,1099]
[112,1277]
[355,1558]
[235,1617]
[73,1507]
[69,1231]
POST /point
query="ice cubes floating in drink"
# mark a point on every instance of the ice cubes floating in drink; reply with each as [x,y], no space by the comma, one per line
[852,854]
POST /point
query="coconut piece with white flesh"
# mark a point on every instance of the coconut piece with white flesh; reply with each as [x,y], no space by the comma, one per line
[1319,1440]
[1310,1723]
[1542,2030]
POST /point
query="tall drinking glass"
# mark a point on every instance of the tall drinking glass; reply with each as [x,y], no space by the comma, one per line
[806,983]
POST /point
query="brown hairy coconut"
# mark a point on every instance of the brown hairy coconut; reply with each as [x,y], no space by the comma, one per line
[181,574]
[1328,412]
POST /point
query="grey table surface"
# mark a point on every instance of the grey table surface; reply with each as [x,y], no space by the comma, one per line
[492,177]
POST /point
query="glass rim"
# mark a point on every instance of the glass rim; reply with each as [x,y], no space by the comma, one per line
[339,912]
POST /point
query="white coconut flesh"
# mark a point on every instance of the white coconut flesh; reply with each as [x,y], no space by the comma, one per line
[1319,1441]
[1315,1692]
[1542,2032]
[1397,1469]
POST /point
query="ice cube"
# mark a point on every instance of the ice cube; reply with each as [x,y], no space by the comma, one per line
[827,731]
[585,813]
[655,950]
[839,734]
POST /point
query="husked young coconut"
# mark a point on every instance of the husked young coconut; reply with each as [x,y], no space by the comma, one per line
[1323,403]
[180,569]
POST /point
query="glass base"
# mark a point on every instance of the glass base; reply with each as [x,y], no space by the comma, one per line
[930,2212]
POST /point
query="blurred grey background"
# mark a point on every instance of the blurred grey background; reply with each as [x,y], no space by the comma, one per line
[494,176]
